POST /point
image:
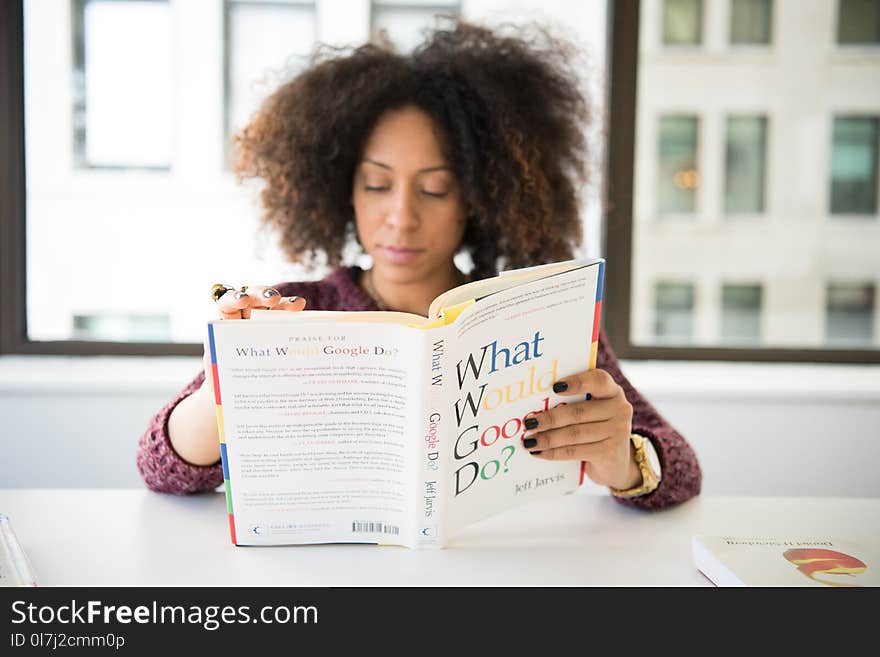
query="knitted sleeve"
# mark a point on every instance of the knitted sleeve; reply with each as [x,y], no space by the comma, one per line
[162,469]
[681,475]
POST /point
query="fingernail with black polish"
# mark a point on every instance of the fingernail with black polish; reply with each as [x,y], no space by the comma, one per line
[560,386]
[589,396]
[529,442]
[537,451]
[531,423]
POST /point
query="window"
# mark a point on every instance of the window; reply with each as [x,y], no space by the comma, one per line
[719,133]
[854,165]
[682,22]
[265,42]
[678,178]
[849,315]
[750,21]
[740,313]
[858,22]
[744,165]
[674,312]
[122,93]
[403,21]
[120,181]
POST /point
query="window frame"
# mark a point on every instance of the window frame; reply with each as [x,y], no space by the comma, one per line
[623,31]
[13,272]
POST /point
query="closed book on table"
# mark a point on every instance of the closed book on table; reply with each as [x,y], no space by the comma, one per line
[823,561]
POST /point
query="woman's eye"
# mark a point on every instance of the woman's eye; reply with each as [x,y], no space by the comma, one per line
[376,189]
[435,194]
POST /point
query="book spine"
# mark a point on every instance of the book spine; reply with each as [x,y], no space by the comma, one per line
[428,524]
[224,457]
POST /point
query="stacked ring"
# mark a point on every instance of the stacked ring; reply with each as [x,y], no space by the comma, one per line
[218,290]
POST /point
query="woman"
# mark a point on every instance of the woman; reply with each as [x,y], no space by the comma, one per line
[474,143]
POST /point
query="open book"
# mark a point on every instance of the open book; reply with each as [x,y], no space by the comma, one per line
[392,428]
[755,561]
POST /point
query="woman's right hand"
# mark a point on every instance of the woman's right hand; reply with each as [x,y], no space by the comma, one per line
[192,425]
[235,304]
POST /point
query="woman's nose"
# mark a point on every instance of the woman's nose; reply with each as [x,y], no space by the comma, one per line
[402,213]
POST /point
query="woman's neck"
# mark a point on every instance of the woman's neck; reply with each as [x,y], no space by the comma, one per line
[411,297]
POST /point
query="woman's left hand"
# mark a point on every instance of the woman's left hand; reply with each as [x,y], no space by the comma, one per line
[594,429]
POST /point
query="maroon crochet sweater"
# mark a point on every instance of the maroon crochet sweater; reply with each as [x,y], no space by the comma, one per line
[164,471]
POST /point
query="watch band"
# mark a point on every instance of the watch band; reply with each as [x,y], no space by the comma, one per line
[650,479]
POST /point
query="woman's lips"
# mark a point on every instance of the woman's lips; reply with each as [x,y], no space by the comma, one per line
[400,255]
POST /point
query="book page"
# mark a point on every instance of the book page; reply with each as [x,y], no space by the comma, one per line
[510,348]
[317,431]
[504,280]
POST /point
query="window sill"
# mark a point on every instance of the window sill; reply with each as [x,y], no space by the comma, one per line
[670,379]
[759,381]
[99,374]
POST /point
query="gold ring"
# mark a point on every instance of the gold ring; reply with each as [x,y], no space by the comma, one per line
[218,290]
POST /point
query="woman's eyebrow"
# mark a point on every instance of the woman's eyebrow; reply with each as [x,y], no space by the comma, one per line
[442,167]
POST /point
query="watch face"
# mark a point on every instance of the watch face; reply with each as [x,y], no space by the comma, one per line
[651,457]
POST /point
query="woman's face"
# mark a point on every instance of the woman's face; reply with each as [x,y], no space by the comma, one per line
[407,203]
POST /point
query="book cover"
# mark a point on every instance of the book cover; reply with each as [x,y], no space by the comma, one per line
[830,561]
[391,428]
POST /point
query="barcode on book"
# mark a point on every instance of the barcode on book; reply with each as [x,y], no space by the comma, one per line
[375,527]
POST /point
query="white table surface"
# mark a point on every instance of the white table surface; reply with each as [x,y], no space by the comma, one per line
[101,537]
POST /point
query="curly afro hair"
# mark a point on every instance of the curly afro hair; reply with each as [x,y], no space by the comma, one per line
[509,108]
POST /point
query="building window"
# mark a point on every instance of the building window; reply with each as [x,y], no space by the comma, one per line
[266,42]
[741,313]
[674,307]
[750,21]
[682,22]
[849,317]
[122,84]
[403,22]
[122,327]
[858,22]
[854,165]
[744,165]
[678,174]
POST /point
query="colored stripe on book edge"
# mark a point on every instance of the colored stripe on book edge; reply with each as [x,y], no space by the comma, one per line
[600,283]
[594,353]
[220,428]
[211,344]
[216,376]
[597,320]
[225,460]
[228,488]
[583,469]
[232,529]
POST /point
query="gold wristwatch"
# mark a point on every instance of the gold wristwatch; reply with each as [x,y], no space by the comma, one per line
[649,466]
